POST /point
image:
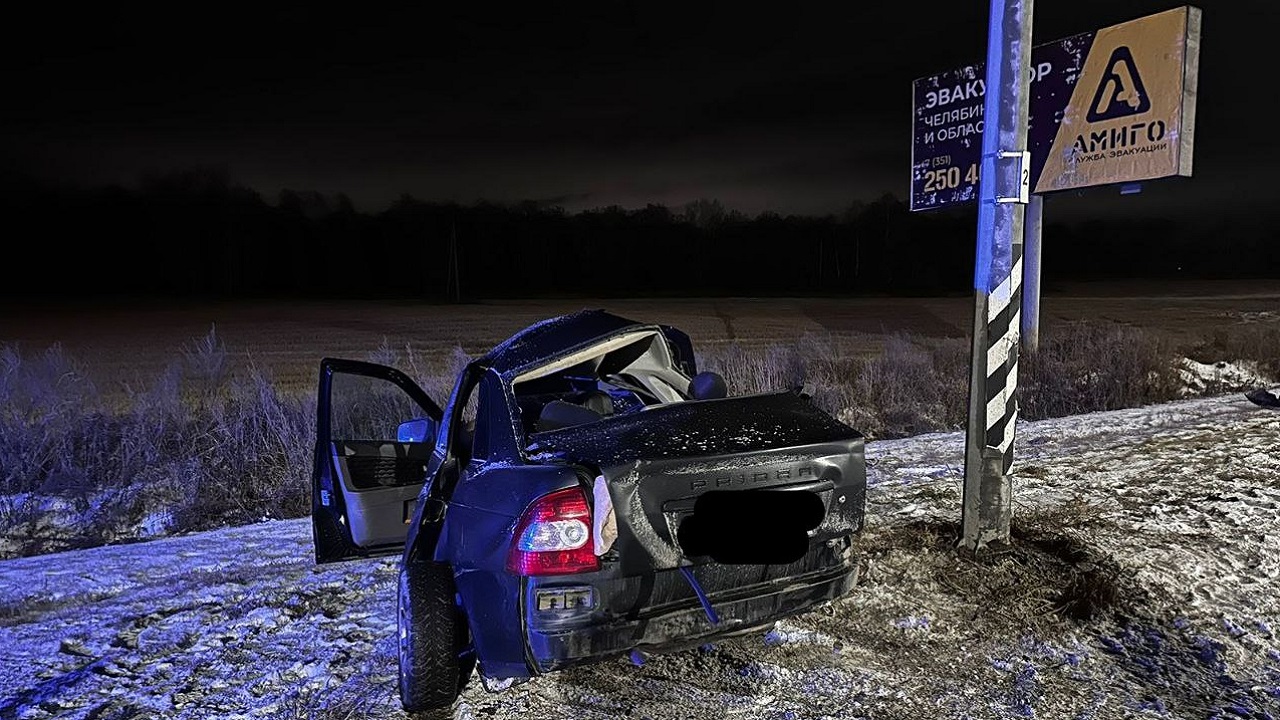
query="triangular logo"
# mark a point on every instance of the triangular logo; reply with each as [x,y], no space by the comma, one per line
[1120,93]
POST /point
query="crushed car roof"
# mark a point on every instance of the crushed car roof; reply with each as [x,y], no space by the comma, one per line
[724,427]
[555,337]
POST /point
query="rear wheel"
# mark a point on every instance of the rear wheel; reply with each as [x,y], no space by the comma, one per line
[436,659]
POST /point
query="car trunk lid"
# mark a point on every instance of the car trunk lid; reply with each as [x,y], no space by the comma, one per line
[657,464]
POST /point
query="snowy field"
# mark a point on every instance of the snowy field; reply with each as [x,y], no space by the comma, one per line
[1144,582]
[131,340]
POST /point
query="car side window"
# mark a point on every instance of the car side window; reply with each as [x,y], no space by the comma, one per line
[470,439]
[367,408]
[480,427]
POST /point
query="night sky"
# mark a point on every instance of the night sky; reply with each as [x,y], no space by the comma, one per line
[792,107]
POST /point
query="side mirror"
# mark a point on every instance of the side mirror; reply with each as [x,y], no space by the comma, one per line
[708,386]
[416,431]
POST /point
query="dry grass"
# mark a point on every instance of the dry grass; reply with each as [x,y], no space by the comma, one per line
[916,384]
[912,385]
[207,443]
[1085,367]
[1256,341]
[213,439]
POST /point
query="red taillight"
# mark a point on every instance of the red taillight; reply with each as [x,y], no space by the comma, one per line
[553,536]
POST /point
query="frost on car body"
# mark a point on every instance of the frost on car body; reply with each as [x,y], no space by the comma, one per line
[600,500]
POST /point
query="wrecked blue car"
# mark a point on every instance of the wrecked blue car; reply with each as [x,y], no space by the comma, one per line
[584,492]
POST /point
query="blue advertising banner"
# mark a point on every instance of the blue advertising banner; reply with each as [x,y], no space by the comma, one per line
[1109,106]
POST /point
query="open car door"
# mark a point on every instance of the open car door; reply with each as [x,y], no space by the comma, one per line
[375,432]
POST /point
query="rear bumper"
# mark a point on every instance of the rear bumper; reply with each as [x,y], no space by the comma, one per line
[683,624]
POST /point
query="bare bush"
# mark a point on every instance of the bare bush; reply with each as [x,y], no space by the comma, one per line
[917,384]
[914,385]
[912,388]
[436,378]
[206,363]
[1086,367]
[203,444]
[200,445]
[1259,342]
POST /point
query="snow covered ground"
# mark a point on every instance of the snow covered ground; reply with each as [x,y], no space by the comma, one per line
[1144,582]
[1213,378]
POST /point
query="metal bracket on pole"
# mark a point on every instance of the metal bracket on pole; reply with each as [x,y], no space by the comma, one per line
[1013,175]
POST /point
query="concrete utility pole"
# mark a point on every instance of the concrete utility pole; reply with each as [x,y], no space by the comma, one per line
[1003,185]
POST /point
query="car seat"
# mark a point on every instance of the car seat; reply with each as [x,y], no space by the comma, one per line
[559,414]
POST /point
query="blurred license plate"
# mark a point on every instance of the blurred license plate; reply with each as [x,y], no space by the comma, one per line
[566,598]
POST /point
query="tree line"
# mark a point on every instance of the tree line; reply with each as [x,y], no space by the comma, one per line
[197,233]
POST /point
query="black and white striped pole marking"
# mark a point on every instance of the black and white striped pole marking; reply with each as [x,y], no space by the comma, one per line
[1003,187]
[1004,312]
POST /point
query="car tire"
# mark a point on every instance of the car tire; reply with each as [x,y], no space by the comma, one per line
[436,658]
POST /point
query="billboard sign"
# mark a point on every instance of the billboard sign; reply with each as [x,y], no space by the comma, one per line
[1114,105]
